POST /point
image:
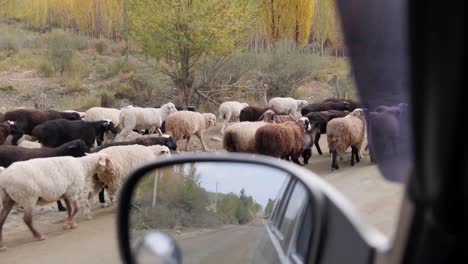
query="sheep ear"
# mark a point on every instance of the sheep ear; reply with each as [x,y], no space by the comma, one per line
[103,161]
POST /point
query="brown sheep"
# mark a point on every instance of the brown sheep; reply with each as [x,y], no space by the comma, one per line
[281,140]
[345,132]
[252,113]
[9,128]
[27,119]
[271,117]
[184,124]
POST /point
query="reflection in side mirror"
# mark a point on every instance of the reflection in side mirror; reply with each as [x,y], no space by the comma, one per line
[157,248]
[215,211]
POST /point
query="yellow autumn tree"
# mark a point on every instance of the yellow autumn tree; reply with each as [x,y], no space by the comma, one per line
[288,19]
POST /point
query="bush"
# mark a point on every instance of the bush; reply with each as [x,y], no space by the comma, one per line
[114,68]
[60,50]
[9,43]
[45,68]
[107,99]
[101,46]
[78,68]
[79,103]
[74,85]
[136,87]
[80,42]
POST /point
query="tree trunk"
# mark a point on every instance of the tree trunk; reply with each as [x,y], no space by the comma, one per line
[125,17]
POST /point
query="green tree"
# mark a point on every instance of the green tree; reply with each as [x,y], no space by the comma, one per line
[180,33]
[60,50]
[269,208]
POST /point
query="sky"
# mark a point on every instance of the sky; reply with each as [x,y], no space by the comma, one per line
[261,182]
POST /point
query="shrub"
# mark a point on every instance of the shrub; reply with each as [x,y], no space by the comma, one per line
[107,99]
[78,68]
[45,68]
[101,46]
[60,50]
[80,42]
[74,85]
[79,103]
[9,43]
[114,68]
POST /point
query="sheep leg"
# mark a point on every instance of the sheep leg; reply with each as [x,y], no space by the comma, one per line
[69,214]
[317,138]
[306,154]
[334,164]
[295,159]
[200,137]
[60,206]
[225,123]
[76,207]
[186,145]
[101,196]
[27,218]
[353,154]
[159,132]
[7,205]
[358,154]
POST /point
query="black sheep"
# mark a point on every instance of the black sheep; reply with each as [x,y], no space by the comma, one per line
[252,113]
[57,132]
[352,104]
[325,106]
[27,119]
[10,128]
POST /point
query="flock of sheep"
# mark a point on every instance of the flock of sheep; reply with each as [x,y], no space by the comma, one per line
[47,156]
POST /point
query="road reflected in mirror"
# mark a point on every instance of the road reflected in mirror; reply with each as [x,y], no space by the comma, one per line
[215,211]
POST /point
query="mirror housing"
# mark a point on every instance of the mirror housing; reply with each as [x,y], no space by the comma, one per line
[336,222]
[158,247]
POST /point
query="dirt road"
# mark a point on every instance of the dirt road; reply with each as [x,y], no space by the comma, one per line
[95,241]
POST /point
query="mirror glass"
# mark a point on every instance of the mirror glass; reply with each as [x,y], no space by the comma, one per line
[215,211]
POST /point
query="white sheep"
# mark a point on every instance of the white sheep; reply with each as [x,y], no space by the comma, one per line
[184,124]
[103,113]
[46,180]
[287,105]
[82,114]
[26,142]
[345,132]
[144,118]
[124,159]
[228,110]
[240,137]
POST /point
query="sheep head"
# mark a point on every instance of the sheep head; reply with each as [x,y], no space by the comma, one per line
[210,120]
[301,103]
[305,123]
[106,172]
[168,108]
[160,150]
[268,116]
[244,105]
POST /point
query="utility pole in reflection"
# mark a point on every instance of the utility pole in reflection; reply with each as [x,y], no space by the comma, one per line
[216,195]
[155,188]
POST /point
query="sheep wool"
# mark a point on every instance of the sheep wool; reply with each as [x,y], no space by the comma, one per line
[281,140]
[240,137]
[286,105]
[103,113]
[345,132]
[144,118]
[124,160]
[46,180]
[230,110]
[184,124]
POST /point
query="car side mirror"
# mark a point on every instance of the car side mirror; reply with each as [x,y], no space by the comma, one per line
[237,208]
